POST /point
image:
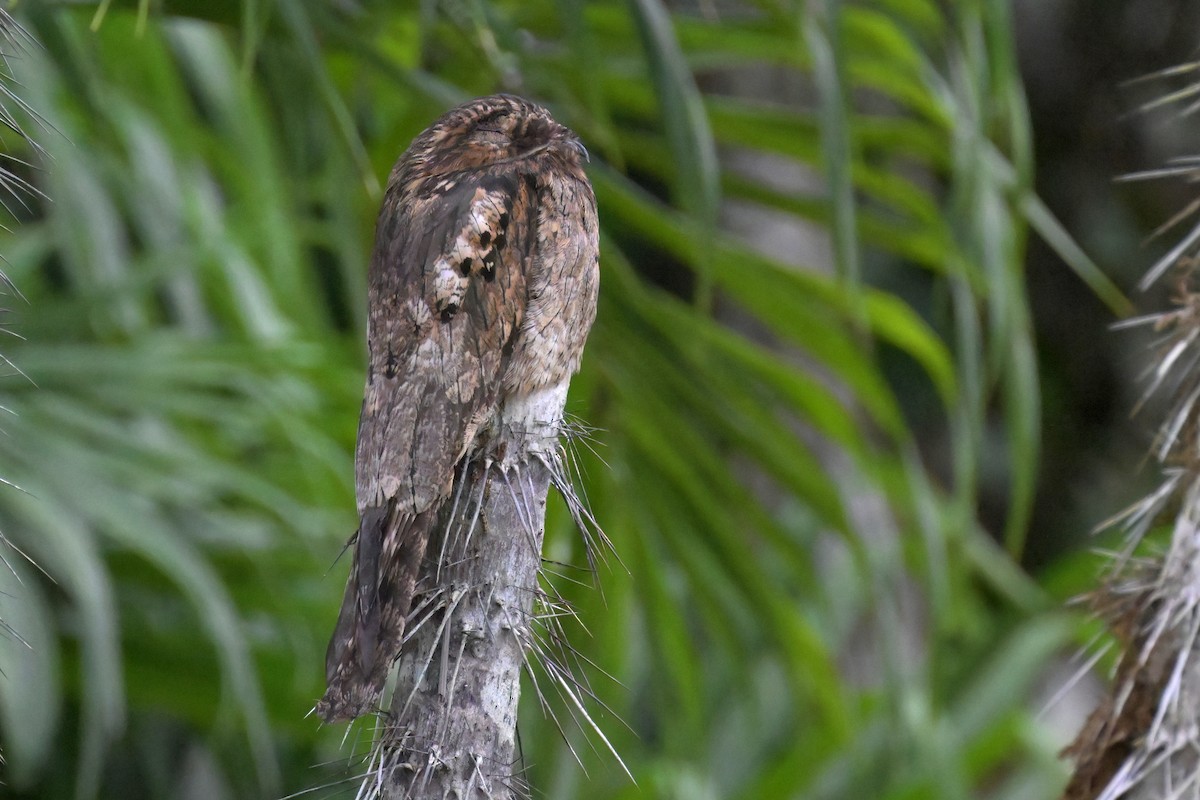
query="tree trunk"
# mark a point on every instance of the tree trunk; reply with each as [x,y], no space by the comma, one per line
[452,731]
[1142,742]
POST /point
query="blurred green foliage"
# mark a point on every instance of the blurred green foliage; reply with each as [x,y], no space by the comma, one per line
[808,606]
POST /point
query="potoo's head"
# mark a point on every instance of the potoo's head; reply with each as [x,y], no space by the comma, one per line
[500,129]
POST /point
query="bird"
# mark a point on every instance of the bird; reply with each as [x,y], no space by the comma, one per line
[482,288]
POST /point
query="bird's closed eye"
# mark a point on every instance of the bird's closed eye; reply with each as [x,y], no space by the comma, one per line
[490,134]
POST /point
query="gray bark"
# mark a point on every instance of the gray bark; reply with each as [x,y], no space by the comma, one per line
[1143,741]
[452,730]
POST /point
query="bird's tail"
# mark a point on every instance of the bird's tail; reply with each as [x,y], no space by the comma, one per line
[388,552]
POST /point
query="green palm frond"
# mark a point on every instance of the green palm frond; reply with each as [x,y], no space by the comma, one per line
[790,455]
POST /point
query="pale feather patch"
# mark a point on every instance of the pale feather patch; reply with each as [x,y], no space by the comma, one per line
[471,251]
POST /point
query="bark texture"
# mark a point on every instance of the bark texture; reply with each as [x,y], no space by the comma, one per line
[1143,742]
[452,731]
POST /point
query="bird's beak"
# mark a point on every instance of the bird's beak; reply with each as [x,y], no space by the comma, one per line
[578,147]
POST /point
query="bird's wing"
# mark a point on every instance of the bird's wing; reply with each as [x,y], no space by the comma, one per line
[446,298]
[447,293]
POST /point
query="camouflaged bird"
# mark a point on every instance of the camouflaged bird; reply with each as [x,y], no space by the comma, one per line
[482,290]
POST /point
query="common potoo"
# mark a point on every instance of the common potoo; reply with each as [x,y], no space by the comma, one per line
[482,289]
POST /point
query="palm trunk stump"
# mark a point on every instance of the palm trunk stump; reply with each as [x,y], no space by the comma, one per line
[452,728]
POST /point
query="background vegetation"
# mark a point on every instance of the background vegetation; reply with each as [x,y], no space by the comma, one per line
[815,382]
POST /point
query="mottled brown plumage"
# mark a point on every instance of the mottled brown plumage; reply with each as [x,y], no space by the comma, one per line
[482,290]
